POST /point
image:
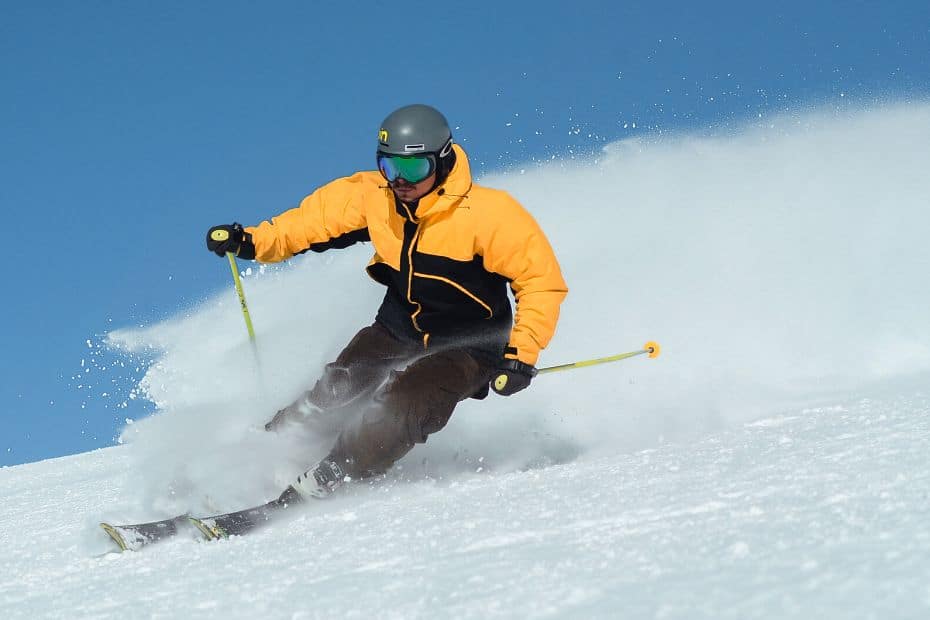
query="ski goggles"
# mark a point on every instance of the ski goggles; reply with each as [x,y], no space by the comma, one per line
[411,168]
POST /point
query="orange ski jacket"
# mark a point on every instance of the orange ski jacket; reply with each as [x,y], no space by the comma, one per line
[446,262]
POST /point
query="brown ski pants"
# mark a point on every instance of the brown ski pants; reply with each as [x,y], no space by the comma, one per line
[383,396]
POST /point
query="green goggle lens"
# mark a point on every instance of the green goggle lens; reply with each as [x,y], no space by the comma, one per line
[411,169]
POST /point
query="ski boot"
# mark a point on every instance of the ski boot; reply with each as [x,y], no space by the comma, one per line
[319,481]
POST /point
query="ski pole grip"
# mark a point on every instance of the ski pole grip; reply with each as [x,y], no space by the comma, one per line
[500,382]
[220,235]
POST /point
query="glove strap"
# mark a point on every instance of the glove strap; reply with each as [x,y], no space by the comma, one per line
[518,367]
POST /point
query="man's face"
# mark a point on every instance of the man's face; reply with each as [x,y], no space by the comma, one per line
[410,192]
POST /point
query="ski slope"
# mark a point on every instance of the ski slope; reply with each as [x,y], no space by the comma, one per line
[812,513]
[771,463]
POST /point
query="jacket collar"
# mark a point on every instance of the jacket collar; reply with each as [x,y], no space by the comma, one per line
[453,190]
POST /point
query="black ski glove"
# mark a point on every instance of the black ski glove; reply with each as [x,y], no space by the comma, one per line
[512,376]
[231,238]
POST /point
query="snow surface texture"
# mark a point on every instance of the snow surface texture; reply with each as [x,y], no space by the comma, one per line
[772,463]
[817,513]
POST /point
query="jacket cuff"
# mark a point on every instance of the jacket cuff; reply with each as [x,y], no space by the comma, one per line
[513,353]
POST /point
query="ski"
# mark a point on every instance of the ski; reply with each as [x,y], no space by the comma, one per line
[243,521]
[139,535]
[134,537]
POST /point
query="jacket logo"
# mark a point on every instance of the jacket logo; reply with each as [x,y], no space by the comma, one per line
[383,136]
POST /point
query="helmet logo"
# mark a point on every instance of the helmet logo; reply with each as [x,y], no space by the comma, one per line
[414,148]
[383,137]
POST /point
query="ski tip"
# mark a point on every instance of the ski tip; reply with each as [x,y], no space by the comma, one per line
[115,536]
[209,531]
[653,348]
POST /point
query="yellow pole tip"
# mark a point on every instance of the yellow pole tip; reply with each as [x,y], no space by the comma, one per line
[653,348]
[220,235]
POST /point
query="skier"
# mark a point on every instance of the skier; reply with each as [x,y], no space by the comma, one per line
[446,249]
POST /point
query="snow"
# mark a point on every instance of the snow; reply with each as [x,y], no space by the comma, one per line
[739,524]
[772,463]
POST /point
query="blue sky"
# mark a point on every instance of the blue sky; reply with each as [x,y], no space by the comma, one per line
[127,129]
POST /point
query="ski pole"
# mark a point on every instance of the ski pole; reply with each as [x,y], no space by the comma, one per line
[241,293]
[248,318]
[223,235]
[650,348]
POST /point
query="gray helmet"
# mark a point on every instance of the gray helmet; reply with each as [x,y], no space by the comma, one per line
[415,129]
[419,129]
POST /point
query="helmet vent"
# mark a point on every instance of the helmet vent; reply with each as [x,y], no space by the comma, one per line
[414,148]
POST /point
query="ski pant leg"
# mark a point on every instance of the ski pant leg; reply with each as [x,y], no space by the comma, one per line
[415,403]
[358,370]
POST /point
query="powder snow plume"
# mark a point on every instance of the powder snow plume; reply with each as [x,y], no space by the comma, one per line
[777,264]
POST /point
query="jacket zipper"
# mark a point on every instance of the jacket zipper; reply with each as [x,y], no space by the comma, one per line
[414,235]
